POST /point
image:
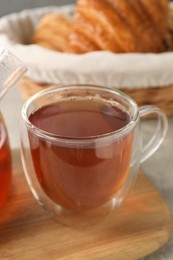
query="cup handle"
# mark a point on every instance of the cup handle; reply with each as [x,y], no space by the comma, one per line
[160,132]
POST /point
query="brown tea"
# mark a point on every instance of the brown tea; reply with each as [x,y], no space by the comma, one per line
[5,164]
[74,175]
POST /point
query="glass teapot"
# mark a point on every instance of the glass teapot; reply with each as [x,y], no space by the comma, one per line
[11,69]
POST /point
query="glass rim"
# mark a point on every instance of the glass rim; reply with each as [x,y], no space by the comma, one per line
[64,87]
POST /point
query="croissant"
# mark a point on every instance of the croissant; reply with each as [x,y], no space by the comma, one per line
[169,36]
[119,26]
[52,32]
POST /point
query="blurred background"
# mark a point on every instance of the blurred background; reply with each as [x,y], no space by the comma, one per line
[9,6]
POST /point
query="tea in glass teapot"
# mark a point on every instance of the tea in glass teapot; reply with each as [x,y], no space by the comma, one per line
[11,69]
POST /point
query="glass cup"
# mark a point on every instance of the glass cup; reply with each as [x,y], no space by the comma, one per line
[81,149]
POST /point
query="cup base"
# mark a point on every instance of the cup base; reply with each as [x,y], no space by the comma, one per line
[81,219]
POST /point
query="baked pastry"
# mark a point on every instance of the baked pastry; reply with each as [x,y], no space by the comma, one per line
[52,32]
[119,26]
[169,36]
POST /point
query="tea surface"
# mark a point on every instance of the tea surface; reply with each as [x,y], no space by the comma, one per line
[77,118]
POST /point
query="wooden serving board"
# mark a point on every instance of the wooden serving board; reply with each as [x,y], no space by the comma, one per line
[140,226]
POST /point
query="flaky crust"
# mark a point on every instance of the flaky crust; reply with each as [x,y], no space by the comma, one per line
[169,36]
[119,26]
[52,32]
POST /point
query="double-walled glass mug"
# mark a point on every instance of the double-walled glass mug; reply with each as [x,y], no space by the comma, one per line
[81,149]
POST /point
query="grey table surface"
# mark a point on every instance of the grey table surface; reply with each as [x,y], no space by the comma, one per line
[159,168]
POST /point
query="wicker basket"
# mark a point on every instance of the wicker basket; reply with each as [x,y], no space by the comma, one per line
[159,96]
